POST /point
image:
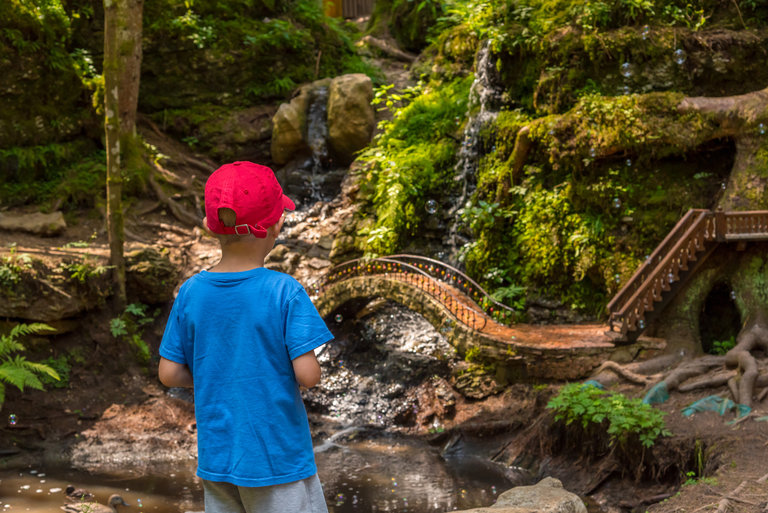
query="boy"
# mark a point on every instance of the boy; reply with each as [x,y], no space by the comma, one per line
[244,336]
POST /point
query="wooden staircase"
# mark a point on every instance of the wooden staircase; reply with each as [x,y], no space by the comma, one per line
[678,257]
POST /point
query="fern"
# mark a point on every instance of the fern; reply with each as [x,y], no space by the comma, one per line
[15,369]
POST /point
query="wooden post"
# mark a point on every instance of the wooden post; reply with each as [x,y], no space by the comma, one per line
[720,227]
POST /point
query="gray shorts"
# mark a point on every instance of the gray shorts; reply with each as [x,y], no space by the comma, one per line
[305,496]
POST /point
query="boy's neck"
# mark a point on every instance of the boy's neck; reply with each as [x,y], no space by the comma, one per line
[238,257]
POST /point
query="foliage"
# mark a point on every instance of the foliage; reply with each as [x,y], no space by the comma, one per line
[129,327]
[83,270]
[12,267]
[621,417]
[411,160]
[62,367]
[15,369]
[723,346]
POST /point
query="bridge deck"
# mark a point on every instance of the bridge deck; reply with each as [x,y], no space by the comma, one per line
[543,336]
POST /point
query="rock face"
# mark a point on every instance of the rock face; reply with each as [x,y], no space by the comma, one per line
[546,496]
[350,115]
[350,119]
[36,223]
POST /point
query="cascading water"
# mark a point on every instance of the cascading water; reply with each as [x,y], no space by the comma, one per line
[317,137]
[485,101]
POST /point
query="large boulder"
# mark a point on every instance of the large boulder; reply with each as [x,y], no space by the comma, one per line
[37,223]
[546,496]
[350,115]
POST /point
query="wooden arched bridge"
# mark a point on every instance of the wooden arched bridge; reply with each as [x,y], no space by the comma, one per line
[466,314]
[461,309]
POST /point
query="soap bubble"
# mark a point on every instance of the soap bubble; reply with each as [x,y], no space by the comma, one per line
[431,206]
[12,419]
[761,129]
[645,32]
[340,499]
[641,324]
[626,70]
[629,162]
[671,277]
[722,185]
[592,152]
[680,56]
[733,294]
[617,278]
[616,203]
[338,318]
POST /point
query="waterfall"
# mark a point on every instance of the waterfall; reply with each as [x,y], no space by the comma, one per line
[317,138]
[485,101]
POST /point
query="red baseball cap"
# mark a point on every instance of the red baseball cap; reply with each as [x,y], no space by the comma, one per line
[252,191]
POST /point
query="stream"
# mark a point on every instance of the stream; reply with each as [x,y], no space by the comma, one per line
[366,461]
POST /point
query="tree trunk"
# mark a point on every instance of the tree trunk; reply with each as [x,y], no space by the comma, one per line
[115,220]
[129,31]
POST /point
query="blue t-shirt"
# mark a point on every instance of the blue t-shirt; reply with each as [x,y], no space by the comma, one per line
[238,333]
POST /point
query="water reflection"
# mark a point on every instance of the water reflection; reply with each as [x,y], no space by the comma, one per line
[362,471]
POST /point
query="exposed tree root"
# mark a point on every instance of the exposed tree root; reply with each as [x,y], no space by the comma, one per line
[178,211]
[626,373]
[753,337]
[387,49]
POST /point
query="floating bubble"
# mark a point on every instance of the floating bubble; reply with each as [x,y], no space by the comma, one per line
[12,419]
[626,70]
[625,90]
[629,162]
[761,129]
[722,185]
[431,206]
[493,490]
[340,499]
[338,318]
[592,152]
[641,324]
[645,32]
[733,294]
[671,277]
[616,203]
[617,277]
[138,501]
[341,364]
[680,56]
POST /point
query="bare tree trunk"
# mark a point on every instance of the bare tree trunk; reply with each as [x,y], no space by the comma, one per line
[115,219]
[129,31]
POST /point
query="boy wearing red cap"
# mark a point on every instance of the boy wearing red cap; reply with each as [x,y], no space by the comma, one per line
[245,337]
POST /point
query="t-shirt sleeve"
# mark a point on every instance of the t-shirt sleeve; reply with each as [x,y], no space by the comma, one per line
[172,345]
[304,328]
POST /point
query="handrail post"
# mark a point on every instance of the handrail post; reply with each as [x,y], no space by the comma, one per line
[720,226]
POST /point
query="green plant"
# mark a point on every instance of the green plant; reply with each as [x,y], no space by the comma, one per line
[13,266]
[723,346]
[620,416]
[129,327]
[62,367]
[82,271]
[15,369]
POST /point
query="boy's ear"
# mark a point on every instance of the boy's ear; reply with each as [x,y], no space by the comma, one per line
[205,226]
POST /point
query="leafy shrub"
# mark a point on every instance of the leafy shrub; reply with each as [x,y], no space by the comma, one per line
[621,417]
[129,327]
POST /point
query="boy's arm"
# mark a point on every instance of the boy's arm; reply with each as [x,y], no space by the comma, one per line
[174,374]
[307,369]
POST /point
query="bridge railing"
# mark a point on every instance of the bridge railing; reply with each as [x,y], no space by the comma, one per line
[449,274]
[467,313]
[672,256]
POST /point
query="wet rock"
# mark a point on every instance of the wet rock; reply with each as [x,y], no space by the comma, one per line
[37,223]
[476,383]
[546,496]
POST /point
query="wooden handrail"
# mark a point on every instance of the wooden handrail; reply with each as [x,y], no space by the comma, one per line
[682,245]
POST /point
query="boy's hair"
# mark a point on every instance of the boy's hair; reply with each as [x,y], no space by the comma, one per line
[250,192]
[227,217]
